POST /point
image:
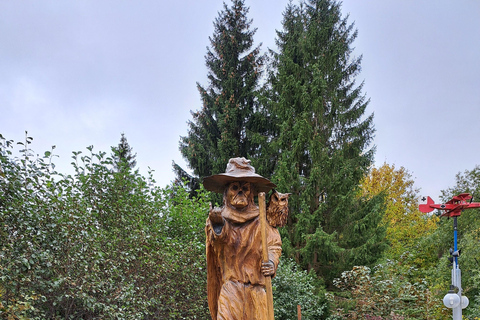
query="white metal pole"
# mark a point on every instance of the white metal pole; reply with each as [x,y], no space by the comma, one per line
[456,272]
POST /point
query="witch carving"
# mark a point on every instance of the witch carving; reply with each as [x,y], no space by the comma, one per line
[237,274]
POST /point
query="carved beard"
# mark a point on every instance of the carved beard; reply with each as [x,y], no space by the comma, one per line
[239,195]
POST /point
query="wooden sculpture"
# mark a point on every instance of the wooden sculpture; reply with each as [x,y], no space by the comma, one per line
[277,209]
[237,276]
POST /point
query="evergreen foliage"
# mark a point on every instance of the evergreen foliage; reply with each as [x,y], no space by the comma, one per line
[228,123]
[123,158]
[323,142]
[182,178]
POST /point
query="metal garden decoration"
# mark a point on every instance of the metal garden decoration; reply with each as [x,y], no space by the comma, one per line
[453,209]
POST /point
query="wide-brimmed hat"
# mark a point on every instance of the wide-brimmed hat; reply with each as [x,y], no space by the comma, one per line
[238,169]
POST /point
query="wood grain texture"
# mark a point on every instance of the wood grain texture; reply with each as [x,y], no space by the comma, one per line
[263,227]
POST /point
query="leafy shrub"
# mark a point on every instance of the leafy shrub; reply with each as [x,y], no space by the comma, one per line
[292,287]
[98,244]
[384,293]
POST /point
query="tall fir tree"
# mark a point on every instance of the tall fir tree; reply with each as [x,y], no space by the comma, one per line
[324,142]
[123,181]
[123,157]
[230,123]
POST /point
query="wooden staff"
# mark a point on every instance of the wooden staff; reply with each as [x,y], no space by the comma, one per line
[268,279]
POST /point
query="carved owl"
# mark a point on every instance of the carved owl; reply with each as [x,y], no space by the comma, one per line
[277,209]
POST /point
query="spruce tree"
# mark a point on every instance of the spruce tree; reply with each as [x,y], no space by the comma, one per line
[324,142]
[230,122]
[123,181]
[123,158]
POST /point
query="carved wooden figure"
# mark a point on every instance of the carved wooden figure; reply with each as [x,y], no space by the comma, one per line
[236,274]
[277,209]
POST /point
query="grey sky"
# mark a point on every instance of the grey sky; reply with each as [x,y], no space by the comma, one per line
[79,73]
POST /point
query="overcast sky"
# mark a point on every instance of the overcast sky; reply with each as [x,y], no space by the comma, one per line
[79,73]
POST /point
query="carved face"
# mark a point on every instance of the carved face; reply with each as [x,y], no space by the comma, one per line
[239,194]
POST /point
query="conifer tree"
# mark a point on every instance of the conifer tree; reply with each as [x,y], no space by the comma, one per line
[324,140]
[123,157]
[229,123]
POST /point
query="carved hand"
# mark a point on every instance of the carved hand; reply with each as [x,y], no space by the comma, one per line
[215,215]
[268,268]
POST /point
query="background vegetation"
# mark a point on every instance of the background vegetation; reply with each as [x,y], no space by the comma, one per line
[101,243]
[106,243]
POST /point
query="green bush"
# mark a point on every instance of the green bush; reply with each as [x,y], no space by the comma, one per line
[389,291]
[292,287]
[98,244]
